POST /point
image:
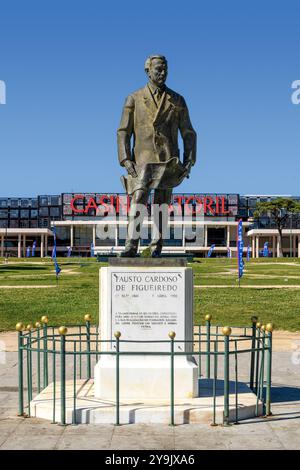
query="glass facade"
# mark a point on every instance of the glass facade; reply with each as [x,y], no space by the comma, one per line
[41,210]
[30,212]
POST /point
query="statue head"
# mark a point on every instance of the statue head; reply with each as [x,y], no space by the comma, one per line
[156,67]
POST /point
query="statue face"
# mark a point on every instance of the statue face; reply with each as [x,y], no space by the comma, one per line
[158,72]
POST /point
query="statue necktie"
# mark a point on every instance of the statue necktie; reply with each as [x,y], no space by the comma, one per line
[157,95]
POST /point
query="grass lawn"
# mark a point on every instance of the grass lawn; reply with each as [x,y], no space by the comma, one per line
[77,291]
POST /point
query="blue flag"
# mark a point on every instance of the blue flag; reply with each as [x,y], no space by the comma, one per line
[92,250]
[33,248]
[240,246]
[210,251]
[28,252]
[57,268]
[248,252]
[228,253]
[54,243]
[266,249]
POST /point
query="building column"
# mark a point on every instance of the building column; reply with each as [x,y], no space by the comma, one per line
[46,245]
[42,246]
[253,246]
[273,246]
[294,246]
[24,245]
[257,247]
[72,236]
[183,235]
[116,235]
[298,246]
[2,246]
[228,236]
[19,245]
[205,236]
[94,235]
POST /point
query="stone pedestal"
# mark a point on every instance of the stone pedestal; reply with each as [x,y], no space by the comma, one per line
[145,301]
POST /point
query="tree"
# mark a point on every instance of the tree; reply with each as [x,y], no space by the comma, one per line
[280,210]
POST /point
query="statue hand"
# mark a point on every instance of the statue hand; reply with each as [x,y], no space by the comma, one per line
[130,167]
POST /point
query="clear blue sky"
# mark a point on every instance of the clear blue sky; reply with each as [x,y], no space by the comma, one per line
[68,66]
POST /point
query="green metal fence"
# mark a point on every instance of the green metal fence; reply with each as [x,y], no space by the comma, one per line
[54,354]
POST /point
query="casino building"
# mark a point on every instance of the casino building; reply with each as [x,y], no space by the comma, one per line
[196,221]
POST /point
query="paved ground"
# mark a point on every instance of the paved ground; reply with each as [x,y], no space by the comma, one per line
[282,431]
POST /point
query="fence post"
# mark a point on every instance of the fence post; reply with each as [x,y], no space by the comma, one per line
[207,322]
[20,327]
[261,385]
[117,336]
[37,325]
[257,347]
[226,332]
[269,329]
[29,362]
[88,318]
[62,331]
[254,321]
[44,321]
[172,335]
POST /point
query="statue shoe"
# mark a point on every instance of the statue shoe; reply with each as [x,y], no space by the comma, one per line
[155,254]
[129,253]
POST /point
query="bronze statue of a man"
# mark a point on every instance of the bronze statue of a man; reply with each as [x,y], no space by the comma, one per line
[153,115]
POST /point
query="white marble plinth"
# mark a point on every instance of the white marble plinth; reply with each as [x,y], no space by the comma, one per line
[145,303]
[146,377]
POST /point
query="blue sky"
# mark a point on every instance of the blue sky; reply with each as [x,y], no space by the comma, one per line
[68,66]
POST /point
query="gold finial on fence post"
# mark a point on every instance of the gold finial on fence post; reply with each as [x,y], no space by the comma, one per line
[20,326]
[44,319]
[226,331]
[63,330]
[87,317]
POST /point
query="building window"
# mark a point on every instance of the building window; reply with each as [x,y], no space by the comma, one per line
[24,214]
[44,212]
[54,211]
[14,214]
[55,200]
[43,200]
[44,223]
[14,223]
[3,202]
[24,202]
[14,203]
[24,223]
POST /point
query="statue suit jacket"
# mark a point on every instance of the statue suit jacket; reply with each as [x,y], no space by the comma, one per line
[155,128]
